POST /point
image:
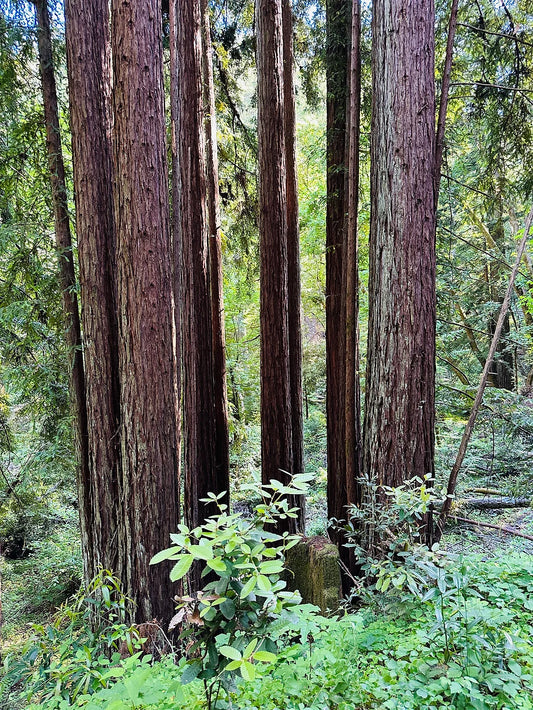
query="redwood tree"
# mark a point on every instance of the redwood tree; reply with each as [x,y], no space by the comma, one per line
[89,81]
[67,279]
[144,300]
[199,424]
[400,378]
[293,254]
[337,13]
[276,418]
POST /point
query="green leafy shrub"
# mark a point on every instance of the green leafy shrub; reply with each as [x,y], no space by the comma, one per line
[76,652]
[227,623]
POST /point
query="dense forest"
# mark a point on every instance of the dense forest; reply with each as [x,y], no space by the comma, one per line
[266,356]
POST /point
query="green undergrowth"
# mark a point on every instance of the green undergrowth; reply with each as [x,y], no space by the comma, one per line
[466,646]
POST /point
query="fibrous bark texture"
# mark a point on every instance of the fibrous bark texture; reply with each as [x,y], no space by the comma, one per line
[276,419]
[67,280]
[400,378]
[337,13]
[89,79]
[144,297]
[293,254]
[199,426]
[220,395]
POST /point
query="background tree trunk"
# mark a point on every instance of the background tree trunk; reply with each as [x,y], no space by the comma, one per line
[400,378]
[144,296]
[293,255]
[276,419]
[89,79]
[199,425]
[337,14]
[67,279]
[220,393]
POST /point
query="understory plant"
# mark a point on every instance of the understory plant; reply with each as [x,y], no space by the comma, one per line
[76,653]
[225,626]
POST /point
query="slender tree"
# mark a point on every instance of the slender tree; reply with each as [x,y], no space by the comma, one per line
[293,254]
[220,395]
[144,299]
[89,81]
[352,406]
[336,78]
[67,279]
[276,418]
[400,378]
[199,426]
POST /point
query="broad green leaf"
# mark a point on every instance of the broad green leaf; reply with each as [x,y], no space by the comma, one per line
[167,554]
[247,670]
[191,671]
[181,567]
[249,649]
[265,656]
[271,567]
[248,587]
[230,652]
[216,564]
[202,552]
[233,665]
[263,583]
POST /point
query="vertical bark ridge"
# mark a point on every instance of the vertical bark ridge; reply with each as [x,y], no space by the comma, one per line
[144,297]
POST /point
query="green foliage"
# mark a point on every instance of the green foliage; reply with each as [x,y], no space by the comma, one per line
[76,652]
[227,623]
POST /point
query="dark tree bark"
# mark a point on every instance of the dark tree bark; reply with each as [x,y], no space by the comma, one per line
[89,78]
[293,255]
[67,279]
[352,405]
[400,378]
[199,430]
[337,14]
[220,394]
[144,297]
[276,418]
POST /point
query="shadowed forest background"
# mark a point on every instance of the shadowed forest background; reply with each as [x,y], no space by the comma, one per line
[256,260]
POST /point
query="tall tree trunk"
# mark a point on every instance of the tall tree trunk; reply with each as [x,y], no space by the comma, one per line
[67,279]
[293,255]
[89,79]
[400,379]
[276,418]
[198,416]
[352,404]
[337,14]
[144,296]
[220,393]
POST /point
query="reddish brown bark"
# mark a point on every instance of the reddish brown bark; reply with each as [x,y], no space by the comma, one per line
[220,395]
[276,419]
[336,77]
[352,406]
[400,378]
[144,297]
[67,280]
[293,255]
[89,78]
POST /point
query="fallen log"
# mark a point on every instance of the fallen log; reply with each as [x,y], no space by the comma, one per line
[501,528]
[497,503]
